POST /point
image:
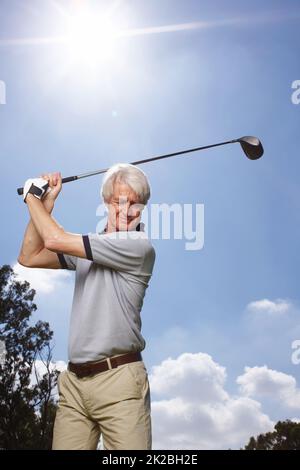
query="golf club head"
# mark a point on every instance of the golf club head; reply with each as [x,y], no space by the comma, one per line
[252,147]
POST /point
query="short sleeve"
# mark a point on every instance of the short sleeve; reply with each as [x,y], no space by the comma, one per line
[67,261]
[121,251]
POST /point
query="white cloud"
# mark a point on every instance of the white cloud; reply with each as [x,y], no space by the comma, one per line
[277,307]
[261,382]
[174,377]
[194,411]
[44,281]
[40,369]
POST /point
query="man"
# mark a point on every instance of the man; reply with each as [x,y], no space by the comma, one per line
[105,389]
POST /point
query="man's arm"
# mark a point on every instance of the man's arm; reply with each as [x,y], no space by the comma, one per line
[128,254]
[54,237]
[33,252]
[33,245]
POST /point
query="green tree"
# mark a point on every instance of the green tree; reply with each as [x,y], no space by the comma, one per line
[285,437]
[27,406]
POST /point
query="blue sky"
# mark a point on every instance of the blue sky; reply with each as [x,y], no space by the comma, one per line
[161,93]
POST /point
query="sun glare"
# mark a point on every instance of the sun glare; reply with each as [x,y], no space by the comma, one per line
[90,37]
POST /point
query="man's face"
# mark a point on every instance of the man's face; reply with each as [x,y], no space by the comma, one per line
[124,209]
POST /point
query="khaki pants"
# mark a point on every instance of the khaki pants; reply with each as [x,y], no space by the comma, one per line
[114,403]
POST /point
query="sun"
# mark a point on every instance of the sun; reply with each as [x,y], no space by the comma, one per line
[90,37]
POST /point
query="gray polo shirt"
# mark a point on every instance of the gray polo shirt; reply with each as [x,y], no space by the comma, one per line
[110,286]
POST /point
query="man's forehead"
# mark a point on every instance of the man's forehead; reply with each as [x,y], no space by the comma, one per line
[124,192]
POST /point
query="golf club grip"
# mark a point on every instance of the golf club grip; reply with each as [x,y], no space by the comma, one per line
[64,180]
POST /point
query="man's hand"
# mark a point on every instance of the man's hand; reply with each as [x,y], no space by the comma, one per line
[35,186]
[55,184]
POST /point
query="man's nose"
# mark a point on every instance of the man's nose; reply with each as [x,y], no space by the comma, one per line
[124,207]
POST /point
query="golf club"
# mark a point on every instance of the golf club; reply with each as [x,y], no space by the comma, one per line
[251,146]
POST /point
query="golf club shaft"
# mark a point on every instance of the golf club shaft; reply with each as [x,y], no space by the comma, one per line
[139,162]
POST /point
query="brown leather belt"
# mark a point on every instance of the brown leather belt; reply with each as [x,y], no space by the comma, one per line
[92,368]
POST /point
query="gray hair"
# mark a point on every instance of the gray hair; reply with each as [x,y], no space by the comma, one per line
[127,174]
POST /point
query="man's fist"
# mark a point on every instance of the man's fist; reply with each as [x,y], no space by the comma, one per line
[35,186]
[55,185]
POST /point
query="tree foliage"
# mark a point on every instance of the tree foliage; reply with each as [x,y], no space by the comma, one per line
[286,436]
[27,405]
